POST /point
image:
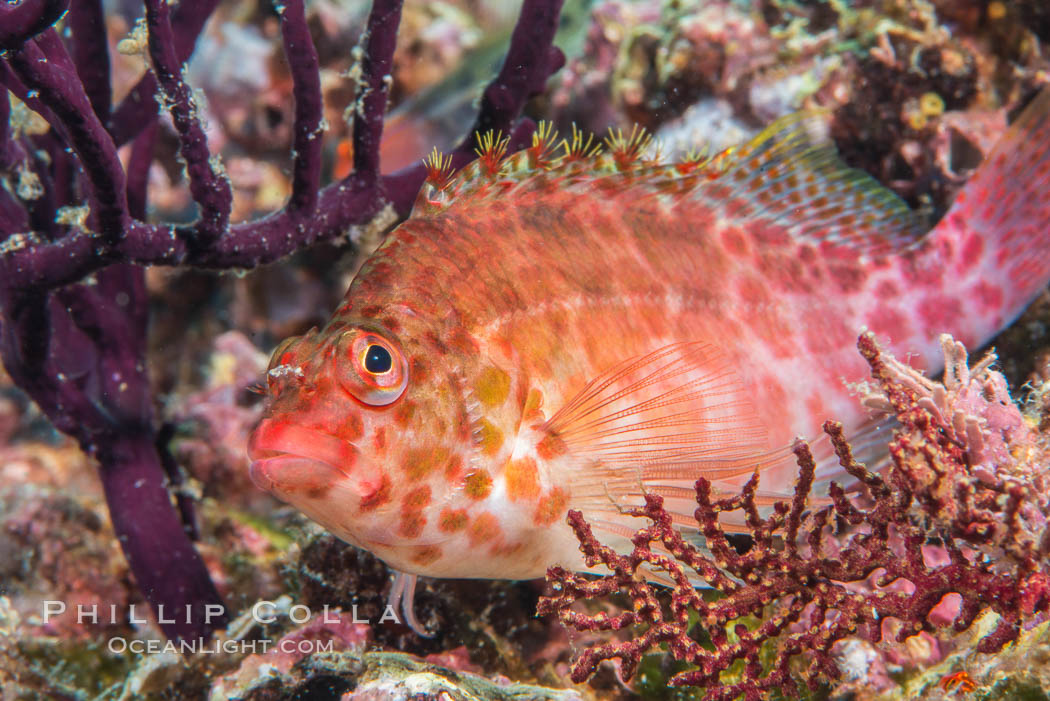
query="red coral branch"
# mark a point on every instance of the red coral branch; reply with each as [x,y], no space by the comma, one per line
[804,578]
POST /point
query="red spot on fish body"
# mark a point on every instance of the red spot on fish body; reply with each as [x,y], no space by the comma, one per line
[379,440]
[816,408]
[849,278]
[938,313]
[989,296]
[412,523]
[887,290]
[551,507]
[381,274]
[371,311]
[454,469]
[1002,257]
[768,234]
[753,292]
[551,446]
[477,485]
[795,278]
[484,529]
[416,499]
[734,241]
[522,479]
[426,555]
[736,208]
[463,342]
[352,427]
[403,413]
[452,520]
[886,321]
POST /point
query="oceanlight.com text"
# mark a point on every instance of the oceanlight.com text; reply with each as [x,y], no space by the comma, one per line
[201,646]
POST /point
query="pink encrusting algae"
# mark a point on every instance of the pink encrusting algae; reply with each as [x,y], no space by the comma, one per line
[564,328]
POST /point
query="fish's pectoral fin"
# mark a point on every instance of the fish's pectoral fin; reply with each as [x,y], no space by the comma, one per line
[657,422]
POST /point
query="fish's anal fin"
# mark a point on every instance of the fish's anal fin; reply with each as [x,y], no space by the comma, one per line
[792,176]
[665,418]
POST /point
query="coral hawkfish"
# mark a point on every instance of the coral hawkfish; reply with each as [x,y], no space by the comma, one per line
[572,327]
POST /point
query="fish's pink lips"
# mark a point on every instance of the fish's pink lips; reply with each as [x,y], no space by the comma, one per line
[290,458]
[288,475]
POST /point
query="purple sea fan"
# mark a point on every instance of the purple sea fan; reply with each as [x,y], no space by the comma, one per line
[966,472]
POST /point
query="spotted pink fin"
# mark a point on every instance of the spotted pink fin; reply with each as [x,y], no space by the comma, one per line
[658,422]
[791,176]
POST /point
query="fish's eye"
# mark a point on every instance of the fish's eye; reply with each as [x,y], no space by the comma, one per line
[377,359]
[376,372]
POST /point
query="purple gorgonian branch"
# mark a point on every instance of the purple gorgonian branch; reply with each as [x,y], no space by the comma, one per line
[353,201]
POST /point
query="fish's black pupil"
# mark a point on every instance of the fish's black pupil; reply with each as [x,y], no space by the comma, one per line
[378,360]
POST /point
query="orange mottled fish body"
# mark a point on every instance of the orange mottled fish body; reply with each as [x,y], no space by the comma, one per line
[552,332]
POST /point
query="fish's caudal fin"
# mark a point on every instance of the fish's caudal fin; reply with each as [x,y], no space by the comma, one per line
[995,239]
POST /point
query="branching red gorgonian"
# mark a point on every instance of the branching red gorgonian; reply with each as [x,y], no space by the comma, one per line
[967,474]
[71,209]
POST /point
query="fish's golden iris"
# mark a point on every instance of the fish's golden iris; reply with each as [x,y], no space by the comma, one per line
[378,371]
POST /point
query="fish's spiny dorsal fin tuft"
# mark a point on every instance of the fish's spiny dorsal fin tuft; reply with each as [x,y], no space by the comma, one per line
[437,187]
[627,151]
[786,175]
[693,160]
[543,154]
[443,187]
[491,150]
[439,169]
[792,176]
[581,151]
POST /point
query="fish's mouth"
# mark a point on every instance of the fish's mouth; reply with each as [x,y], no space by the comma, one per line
[288,459]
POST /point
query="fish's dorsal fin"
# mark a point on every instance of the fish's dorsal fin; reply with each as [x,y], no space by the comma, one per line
[657,422]
[791,175]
